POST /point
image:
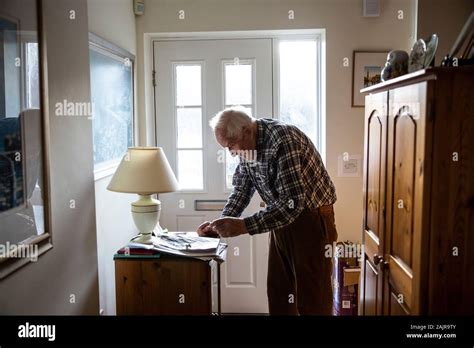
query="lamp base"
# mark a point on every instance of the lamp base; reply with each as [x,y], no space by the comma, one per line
[143,238]
[146,214]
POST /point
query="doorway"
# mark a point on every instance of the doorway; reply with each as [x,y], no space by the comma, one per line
[196,78]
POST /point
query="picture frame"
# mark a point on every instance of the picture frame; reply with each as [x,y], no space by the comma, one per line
[366,71]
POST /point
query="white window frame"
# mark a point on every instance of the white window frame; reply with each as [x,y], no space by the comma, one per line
[203,148]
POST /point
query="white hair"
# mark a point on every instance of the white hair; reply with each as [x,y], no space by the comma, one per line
[231,121]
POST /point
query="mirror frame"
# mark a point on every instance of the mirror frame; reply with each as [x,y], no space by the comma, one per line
[42,243]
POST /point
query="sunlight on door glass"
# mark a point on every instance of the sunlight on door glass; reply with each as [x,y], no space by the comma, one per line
[247,110]
[238,91]
[238,84]
[298,83]
[32,75]
[188,85]
[190,171]
[231,164]
[189,127]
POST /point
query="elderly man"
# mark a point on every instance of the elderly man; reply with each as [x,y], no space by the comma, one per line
[282,164]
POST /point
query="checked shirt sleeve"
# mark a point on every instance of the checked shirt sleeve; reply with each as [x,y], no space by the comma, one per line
[240,197]
[291,190]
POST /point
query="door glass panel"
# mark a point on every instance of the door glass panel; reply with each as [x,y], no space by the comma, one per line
[238,91]
[188,85]
[231,164]
[189,144]
[247,109]
[298,85]
[190,170]
[189,127]
[238,84]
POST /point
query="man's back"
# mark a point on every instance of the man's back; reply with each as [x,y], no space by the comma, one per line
[276,139]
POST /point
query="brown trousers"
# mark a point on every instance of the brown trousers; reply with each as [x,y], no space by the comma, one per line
[299,274]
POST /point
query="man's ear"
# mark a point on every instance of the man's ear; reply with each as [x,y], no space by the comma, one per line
[247,131]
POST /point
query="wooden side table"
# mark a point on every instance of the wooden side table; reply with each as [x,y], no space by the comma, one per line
[166,285]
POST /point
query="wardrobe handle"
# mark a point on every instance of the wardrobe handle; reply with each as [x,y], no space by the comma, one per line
[378,259]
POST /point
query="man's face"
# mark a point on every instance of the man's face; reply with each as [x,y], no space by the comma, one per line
[236,146]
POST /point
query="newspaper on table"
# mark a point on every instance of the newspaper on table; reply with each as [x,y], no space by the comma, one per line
[187,244]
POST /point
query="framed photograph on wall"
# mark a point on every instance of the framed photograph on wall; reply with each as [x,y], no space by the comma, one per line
[366,68]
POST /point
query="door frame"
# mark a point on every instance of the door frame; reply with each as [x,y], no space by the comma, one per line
[276,35]
[243,281]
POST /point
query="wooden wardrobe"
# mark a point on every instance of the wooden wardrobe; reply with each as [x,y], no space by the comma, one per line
[418,227]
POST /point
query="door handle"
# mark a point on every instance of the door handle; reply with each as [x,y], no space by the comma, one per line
[378,259]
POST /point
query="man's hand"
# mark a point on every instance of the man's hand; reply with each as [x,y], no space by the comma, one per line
[204,230]
[229,227]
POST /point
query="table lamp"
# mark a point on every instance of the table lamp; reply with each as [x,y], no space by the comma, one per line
[144,171]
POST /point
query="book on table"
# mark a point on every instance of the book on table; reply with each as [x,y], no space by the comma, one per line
[186,244]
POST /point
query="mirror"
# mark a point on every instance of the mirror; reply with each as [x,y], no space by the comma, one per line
[22,189]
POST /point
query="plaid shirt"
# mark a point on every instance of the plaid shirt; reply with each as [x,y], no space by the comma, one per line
[288,173]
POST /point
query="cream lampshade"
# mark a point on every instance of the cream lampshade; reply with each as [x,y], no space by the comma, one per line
[144,171]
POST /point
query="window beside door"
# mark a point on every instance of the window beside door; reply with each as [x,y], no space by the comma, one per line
[298,84]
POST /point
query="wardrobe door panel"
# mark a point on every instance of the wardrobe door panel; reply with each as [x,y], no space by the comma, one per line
[371,279]
[374,175]
[404,248]
[396,306]
[404,135]
[374,200]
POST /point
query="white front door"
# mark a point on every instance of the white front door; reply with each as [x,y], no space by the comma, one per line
[194,80]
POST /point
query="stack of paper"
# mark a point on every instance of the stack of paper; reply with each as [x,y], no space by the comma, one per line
[187,244]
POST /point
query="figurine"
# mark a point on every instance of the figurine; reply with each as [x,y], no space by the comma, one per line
[396,65]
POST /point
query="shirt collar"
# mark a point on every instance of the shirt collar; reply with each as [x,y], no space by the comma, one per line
[260,135]
[260,138]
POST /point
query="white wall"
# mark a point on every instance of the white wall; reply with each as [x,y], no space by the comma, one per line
[114,21]
[70,267]
[346,31]
[445,18]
